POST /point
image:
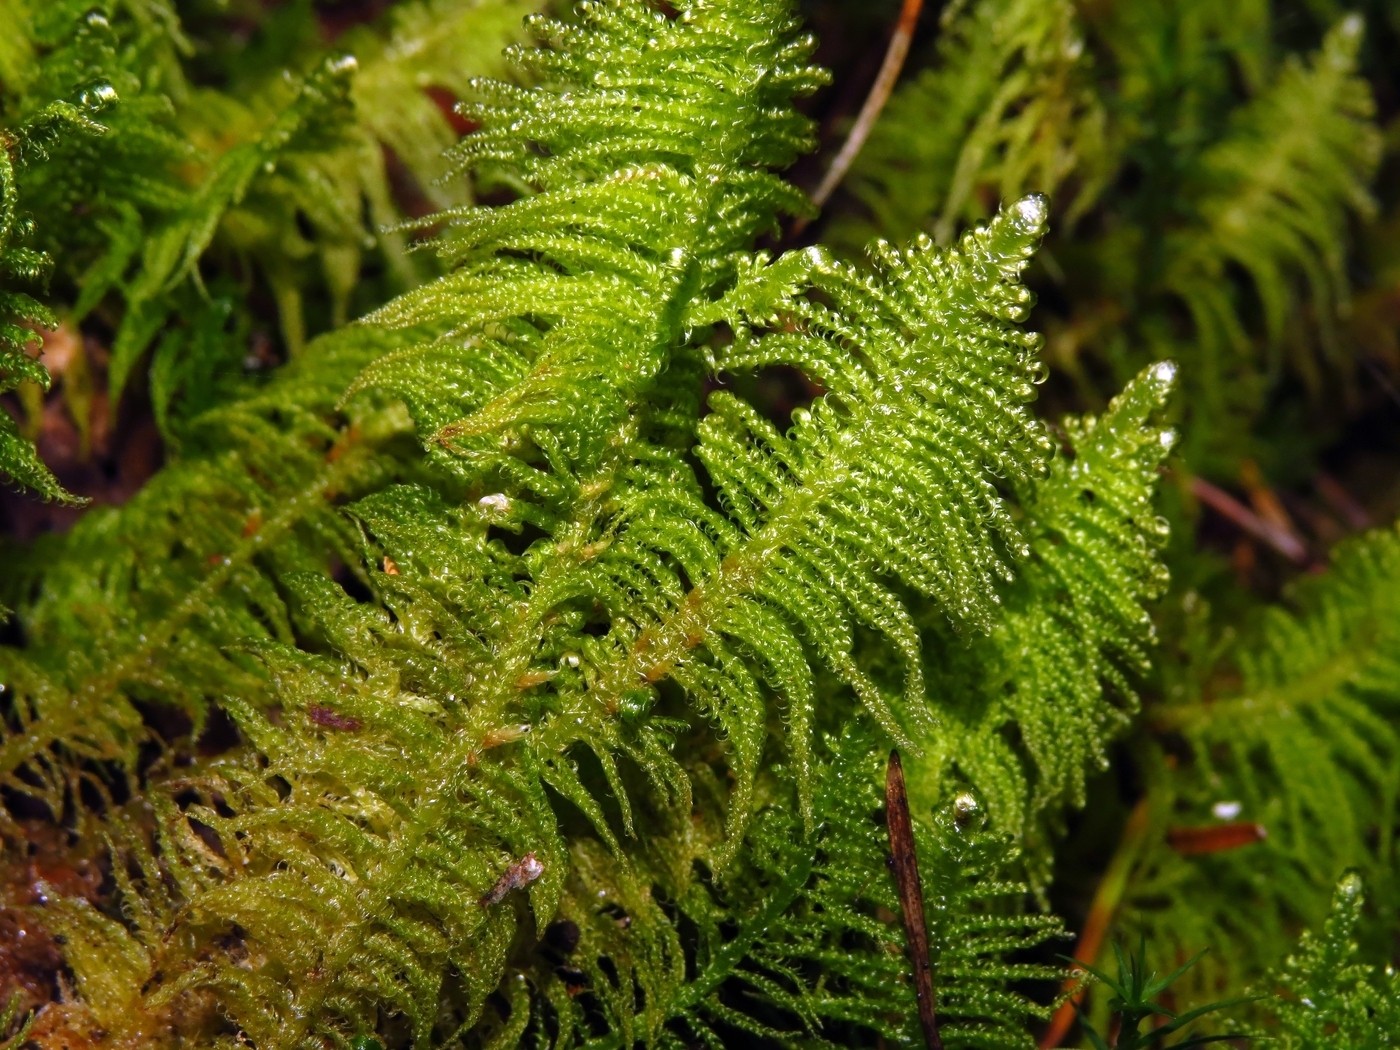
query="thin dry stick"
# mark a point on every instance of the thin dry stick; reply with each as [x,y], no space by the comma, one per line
[875,101]
[1217,838]
[1224,504]
[1265,501]
[1100,917]
[904,862]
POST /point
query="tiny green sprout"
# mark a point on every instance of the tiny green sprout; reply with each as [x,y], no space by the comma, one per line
[1135,991]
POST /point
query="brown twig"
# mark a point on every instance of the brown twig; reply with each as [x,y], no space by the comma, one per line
[1098,920]
[1281,540]
[1216,838]
[879,94]
[904,862]
[1265,501]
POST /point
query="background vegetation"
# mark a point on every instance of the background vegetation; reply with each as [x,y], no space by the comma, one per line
[474,531]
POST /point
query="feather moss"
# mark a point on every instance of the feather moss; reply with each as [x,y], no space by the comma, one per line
[506,669]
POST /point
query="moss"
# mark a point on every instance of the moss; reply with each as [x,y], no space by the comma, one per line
[548,548]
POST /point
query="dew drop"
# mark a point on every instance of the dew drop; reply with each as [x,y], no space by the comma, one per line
[1350,886]
[98,96]
[1164,373]
[1031,212]
[496,503]
[964,806]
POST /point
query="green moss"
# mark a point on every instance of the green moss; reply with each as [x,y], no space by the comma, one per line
[495,658]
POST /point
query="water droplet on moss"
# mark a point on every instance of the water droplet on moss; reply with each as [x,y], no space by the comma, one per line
[98,96]
[1029,213]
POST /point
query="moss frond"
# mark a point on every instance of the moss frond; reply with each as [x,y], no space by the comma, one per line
[23,266]
[198,559]
[280,169]
[438,723]
[429,752]
[1323,995]
[1276,204]
[1007,107]
[516,664]
[1225,230]
[1032,705]
[203,551]
[647,196]
[419,53]
[1304,745]
[799,903]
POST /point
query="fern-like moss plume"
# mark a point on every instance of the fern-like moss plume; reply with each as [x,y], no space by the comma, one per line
[21,148]
[1322,994]
[432,741]
[1304,747]
[512,666]
[1032,94]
